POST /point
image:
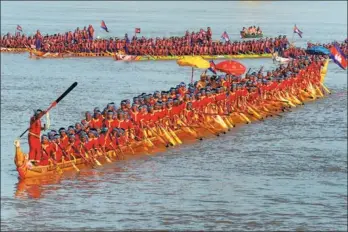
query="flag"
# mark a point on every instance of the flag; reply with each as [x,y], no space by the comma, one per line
[338,57]
[212,67]
[137,30]
[103,26]
[19,28]
[225,36]
[297,31]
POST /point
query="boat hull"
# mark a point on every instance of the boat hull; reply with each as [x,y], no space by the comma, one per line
[121,57]
[207,57]
[13,50]
[251,36]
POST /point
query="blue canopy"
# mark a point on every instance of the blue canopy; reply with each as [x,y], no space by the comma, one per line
[318,50]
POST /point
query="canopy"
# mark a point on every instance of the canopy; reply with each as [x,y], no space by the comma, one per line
[318,50]
[194,62]
[231,67]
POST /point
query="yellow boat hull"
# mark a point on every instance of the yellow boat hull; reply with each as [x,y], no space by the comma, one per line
[13,50]
[122,57]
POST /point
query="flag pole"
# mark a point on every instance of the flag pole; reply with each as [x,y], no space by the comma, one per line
[292,39]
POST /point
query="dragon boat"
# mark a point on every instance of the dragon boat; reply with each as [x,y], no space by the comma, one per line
[218,123]
[123,57]
[13,50]
[250,36]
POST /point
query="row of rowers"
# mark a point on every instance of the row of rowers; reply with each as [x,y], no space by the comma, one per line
[118,127]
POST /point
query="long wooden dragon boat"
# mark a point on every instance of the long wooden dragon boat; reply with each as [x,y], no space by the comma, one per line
[250,36]
[27,170]
[120,57]
[13,50]
[123,57]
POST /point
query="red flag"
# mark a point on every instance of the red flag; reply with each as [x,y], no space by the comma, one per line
[137,30]
[19,28]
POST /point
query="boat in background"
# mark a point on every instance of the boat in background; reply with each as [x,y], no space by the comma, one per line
[122,57]
[250,36]
[13,50]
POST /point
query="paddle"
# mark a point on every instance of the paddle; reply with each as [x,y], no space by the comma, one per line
[158,136]
[194,133]
[54,161]
[92,155]
[98,152]
[72,162]
[53,104]
[83,156]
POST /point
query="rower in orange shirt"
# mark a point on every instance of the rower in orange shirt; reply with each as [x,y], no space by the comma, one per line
[109,121]
[97,120]
[48,150]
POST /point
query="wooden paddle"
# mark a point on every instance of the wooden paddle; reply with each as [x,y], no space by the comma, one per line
[59,170]
[53,104]
[66,155]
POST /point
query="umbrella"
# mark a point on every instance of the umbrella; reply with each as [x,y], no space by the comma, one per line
[231,67]
[318,50]
[194,62]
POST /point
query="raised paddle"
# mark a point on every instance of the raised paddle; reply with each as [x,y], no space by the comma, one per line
[53,104]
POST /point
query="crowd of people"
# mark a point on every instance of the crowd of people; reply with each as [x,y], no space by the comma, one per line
[343,45]
[181,46]
[197,43]
[185,107]
[252,30]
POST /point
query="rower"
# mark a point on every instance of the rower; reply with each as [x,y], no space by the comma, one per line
[63,137]
[97,120]
[34,136]
[182,89]
[57,148]
[109,120]
[88,116]
[71,130]
[47,150]
[172,92]
[78,127]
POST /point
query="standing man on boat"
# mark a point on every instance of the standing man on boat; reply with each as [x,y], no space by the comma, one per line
[34,136]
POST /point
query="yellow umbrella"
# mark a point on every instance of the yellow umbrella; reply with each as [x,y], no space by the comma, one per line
[194,62]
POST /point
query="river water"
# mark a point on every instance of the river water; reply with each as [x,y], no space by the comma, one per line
[286,173]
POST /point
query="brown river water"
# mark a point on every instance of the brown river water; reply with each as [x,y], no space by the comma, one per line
[286,173]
